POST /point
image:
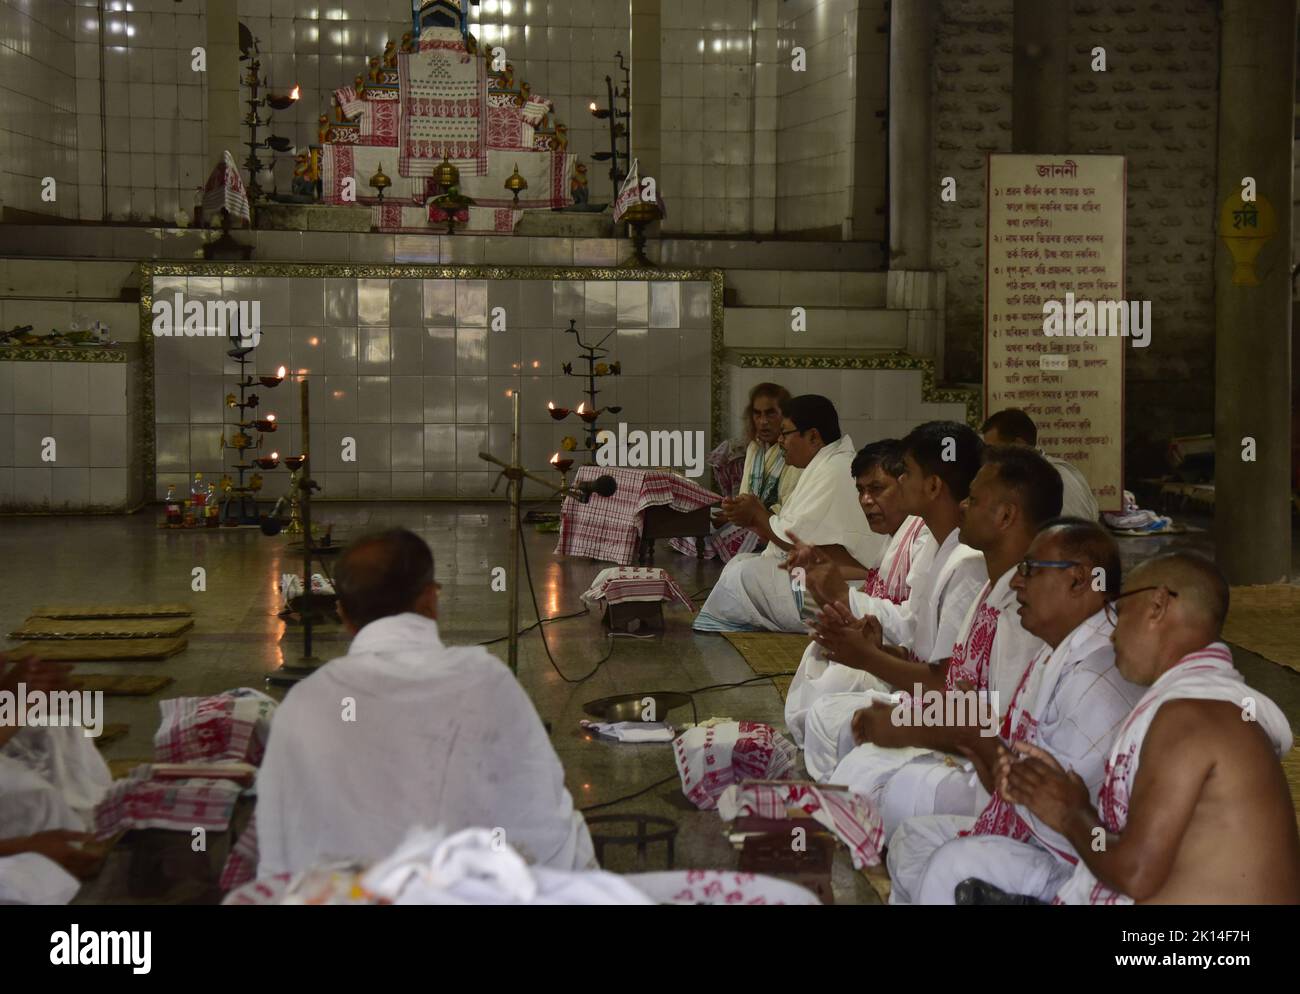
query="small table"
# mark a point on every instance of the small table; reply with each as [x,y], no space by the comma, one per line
[648,504]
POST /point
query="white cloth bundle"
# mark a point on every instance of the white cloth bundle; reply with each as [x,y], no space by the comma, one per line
[30,878]
[632,731]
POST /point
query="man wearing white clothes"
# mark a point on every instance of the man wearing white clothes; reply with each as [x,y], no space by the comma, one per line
[406,732]
[885,593]
[754,593]
[940,459]
[1014,427]
[1071,701]
[906,764]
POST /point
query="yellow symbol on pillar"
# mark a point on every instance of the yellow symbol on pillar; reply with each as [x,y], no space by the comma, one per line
[1244,227]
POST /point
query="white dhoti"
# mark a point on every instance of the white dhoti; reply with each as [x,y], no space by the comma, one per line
[828,731]
[818,677]
[752,594]
[926,785]
[50,778]
[928,858]
[30,878]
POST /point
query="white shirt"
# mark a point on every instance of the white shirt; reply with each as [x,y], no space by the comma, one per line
[944,596]
[1077,498]
[823,508]
[442,736]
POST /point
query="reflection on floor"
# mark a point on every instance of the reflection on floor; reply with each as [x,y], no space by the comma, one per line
[237,639]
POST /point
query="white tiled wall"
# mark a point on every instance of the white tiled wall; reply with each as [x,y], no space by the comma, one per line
[815,124]
[38,128]
[872,403]
[83,407]
[410,370]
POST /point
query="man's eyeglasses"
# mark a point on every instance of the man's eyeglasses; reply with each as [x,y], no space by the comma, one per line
[1025,568]
[788,431]
[1112,612]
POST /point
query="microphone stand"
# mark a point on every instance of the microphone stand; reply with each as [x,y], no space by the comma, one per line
[515,475]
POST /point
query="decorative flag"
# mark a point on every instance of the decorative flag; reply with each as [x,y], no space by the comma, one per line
[225,189]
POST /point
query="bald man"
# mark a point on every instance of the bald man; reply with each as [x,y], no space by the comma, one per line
[1194,807]
[405,732]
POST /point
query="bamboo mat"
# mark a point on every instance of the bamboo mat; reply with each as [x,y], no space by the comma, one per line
[101,628]
[119,685]
[770,652]
[1266,620]
[100,650]
[112,611]
[110,733]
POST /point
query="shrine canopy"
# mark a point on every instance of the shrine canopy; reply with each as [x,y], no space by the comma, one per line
[436,101]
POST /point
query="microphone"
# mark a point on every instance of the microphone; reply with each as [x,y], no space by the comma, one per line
[603,486]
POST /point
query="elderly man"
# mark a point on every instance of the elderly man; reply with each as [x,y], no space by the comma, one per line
[406,732]
[902,766]
[1193,807]
[1071,702]
[885,592]
[940,460]
[1014,427]
[753,593]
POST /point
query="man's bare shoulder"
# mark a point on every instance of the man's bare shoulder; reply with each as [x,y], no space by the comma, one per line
[1200,725]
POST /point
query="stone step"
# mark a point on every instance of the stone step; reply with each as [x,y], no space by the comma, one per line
[827,328]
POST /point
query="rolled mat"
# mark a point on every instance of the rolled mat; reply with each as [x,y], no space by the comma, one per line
[770,652]
[115,685]
[112,611]
[101,628]
[1266,620]
[100,650]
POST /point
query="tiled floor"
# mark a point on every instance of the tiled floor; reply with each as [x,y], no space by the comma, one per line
[237,639]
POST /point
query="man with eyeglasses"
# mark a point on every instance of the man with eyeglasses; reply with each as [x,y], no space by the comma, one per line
[902,759]
[1193,807]
[885,592]
[940,459]
[754,593]
[1070,702]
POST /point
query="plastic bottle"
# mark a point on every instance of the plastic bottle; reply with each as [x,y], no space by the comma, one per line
[198,493]
[173,518]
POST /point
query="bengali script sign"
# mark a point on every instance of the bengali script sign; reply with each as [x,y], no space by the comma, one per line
[1056,227]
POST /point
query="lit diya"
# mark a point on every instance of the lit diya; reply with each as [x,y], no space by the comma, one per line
[273,381]
[266,424]
[295,462]
[586,415]
[563,465]
[558,413]
[268,462]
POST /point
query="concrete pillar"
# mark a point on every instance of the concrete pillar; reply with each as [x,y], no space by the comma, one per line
[1252,360]
[224,110]
[912,188]
[1042,53]
[646,118]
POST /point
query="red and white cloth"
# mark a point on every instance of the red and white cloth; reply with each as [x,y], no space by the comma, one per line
[180,805]
[232,725]
[241,864]
[724,887]
[711,758]
[850,817]
[610,527]
[225,189]
[444,109]
[1206,675]
[617,584]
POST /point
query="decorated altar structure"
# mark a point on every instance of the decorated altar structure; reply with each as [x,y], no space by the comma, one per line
[438,101]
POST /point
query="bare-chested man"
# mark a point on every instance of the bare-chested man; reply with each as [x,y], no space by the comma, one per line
[1194,771]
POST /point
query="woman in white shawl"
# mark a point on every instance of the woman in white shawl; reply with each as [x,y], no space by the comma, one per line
[754,465]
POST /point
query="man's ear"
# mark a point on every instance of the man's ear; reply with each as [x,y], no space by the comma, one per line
[427,603]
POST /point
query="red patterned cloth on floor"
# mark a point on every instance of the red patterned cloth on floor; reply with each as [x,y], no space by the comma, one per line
[711,758]
[609,528]
[850,817]
[180,805]
[636,583]
[232,725]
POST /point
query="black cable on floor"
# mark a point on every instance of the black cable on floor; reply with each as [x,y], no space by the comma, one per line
[532,592]
[543,621]
[628,797]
